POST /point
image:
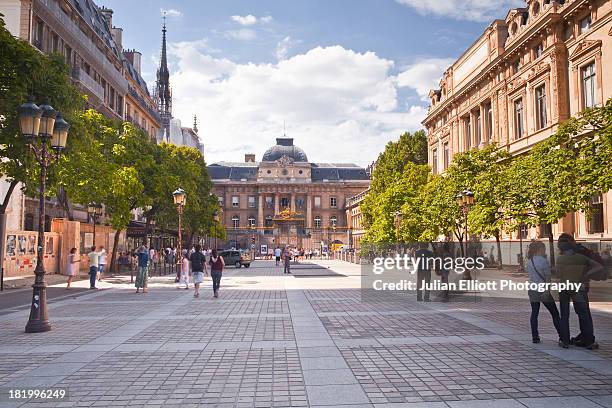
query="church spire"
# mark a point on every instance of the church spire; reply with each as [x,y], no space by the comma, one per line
[163,92]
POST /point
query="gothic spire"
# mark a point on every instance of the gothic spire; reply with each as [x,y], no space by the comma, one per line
[163,91]
[195,123]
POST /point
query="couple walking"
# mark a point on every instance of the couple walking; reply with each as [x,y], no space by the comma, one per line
[199,269]
[573,265]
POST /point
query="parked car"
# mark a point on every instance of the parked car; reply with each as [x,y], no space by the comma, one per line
[236,258]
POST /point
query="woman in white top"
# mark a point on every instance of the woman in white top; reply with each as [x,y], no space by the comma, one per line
[72,268]
[184,270]
[101,262]
[539,271]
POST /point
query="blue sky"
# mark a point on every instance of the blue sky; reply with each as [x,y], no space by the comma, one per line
[345,76]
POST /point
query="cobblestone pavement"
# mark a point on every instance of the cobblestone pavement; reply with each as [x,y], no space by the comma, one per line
[273,340]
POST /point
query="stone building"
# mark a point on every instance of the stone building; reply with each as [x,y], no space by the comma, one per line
[284,199]
[355,219]
[519,81]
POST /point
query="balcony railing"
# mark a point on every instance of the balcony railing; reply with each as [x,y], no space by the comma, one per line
[143,104]
[84,44]
[88,82]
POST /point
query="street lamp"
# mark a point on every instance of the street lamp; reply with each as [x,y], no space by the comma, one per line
[465,200]
[41,128]
[216,219]
[180,197]
[95,212]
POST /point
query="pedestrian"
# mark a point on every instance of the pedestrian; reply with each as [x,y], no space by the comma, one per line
[539,271]
[277,255]
[216,271]
[287,260]
[575,268]
[184,270]
[101,262]
[72,268]
[198,267]
[142,277]
[443,253]
[423,256]
[94,260]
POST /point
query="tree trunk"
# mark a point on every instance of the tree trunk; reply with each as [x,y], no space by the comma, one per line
[499,251]
[551,245]
[113,268]
[7,197]
[64,202]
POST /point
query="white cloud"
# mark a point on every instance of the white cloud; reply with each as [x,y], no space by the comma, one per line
[171,12]
[247,20]
[244,34]
[424,75]
[473,10]
[283,47]
[266,19]
[338,104]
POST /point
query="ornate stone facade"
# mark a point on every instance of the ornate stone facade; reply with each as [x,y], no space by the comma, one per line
[255,197]
[523,77]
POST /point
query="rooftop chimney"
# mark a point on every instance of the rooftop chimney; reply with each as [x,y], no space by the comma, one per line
[118,37]
[135,58]
[108,16]
[249,158]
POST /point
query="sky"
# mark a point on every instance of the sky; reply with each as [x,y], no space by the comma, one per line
[342,77]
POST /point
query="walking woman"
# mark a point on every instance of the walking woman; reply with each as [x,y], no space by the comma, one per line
[184,278]
[72,268]
[143,269]
[216,270]
[538,269]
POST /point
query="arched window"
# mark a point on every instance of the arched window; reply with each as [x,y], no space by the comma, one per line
[317,222]
[28,222]
[252,221]
[235,222]
[333,221]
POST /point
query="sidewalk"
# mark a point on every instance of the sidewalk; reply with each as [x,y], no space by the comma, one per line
[274,340]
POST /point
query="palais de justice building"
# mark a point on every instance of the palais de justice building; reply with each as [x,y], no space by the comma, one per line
[284,199]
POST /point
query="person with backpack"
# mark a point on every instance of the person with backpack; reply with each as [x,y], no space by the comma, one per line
[575,267]
[216,271]
[539,271]
[198,268]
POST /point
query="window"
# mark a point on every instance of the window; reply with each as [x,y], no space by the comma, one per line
[68,55]
[518,118]
[333,221]
[268,223]
[467,125]
[523,231]
[538,51]
[596,221]
[333,202]
[478,128]
[235,201]
[317,222]
[299,202]
[489,118]
[585,24]
[446,156]
[38,34]
[54,43]
[317,202]
[220,200]
[434,161]
[269,202]
[235,222]
[251,201]
[588,85]
[540,95]
[120,105]
[251,221]
[284,202]
[516,66]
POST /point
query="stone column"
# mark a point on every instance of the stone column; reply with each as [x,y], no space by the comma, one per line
[292,202]
[308,211]
[276,203]
[260,210]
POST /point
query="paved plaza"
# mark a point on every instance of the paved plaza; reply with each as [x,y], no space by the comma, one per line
[309,339]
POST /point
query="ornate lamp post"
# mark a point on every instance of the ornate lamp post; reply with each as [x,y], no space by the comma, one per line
[216,219]
[41,127]
[180,197]
[465,199]
[95,212]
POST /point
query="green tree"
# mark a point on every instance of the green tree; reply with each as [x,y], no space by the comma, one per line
[24,72]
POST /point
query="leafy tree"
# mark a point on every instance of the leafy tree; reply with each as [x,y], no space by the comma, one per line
[24,71]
